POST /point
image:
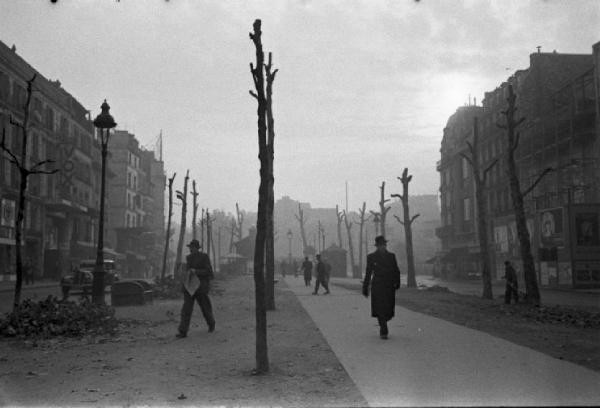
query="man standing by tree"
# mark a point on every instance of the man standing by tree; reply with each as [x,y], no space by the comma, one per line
[196,286]
[383,275]
[307,267]
[512,285]
[321,276]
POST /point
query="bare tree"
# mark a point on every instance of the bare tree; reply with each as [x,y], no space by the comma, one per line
[270,255]
[24,172]
[302,221]
[361,224]
[195,209]
[240,222]
[411,281]
[232,230]
[376,221]
[202,230]
[262,356]
[183,197]
[383,210]
[168,232]
[340,217]
[480,177]
[512,136]
[348,224]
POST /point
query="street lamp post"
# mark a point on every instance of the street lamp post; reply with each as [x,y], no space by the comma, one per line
[289,236]
[104,122]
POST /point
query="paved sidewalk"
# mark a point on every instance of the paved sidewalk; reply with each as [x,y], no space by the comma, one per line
[9,286]
[428,361]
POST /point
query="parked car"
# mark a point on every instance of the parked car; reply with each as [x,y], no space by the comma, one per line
[82,277]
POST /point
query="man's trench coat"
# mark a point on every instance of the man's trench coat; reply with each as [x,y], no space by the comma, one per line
[383,276]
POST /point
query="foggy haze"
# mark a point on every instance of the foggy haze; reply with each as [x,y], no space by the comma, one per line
[364,88]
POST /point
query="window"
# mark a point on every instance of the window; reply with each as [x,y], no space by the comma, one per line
[128,180]
[134,182]
[127,220]
[467,209]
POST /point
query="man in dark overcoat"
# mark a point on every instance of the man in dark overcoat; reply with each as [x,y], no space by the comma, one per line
[198,264]
[307,267]
[512,284]
[321,276]
[383,277]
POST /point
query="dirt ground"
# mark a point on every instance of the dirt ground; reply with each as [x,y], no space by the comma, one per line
[146,365]
[572,335]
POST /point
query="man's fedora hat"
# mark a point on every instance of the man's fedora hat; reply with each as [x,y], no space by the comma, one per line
[194,244]
[380,240]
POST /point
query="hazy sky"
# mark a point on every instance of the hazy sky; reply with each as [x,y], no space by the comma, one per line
[364,87]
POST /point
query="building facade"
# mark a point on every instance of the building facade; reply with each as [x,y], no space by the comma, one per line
[135,205]
[558,96]
[61,215]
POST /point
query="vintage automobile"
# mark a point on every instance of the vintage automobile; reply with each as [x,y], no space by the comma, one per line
[80,280]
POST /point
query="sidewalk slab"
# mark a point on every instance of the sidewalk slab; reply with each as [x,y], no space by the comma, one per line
[428,361]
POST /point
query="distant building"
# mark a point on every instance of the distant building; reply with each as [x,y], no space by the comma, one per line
[135,205]
[558,96]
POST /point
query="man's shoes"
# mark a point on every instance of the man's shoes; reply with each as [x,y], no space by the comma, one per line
[315,293]
[181,335]
[211,328]
[327,293]
[383,336]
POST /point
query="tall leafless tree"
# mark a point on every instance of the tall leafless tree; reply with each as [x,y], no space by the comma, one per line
[168,232]
[202,229]
[262,356]
[302,222]
[240,222]
[383,209]
[270,255]
[195,209]
[182,196]
[340,218]
[411,281]
[232,230]
[348,224]
[512,137]
[362,211]
[376,221]
[21,163]
[480,177]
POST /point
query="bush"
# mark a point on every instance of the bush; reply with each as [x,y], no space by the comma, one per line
[167,288]
[53,317]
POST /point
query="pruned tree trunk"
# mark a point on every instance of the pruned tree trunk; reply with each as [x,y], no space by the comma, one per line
[383,210]
[376,221]
[339,215]
[183,197]
[270,255]
[531,285]
[168,231]
[240,222]
[202,230]
[480,178]
[195,209]
[301,221]
[262,357]
[24,172]
[411,281]
[232,237]
[208,221]
[348,224]
[362,211]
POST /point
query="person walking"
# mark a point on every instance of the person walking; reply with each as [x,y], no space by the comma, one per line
[321,276]
[28,273]
[383,277]
[512,284]
[283,268]
[307,267]
[196,286]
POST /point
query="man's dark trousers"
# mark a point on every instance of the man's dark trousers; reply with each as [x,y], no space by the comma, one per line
[201,296]
[512,290]
[322,281]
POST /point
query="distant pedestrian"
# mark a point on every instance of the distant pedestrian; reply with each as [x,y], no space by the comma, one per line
[383,276]
[295,268]
[196,286]
[283,268]
[321,276]
[28,273]
[512,284]
[307,267]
